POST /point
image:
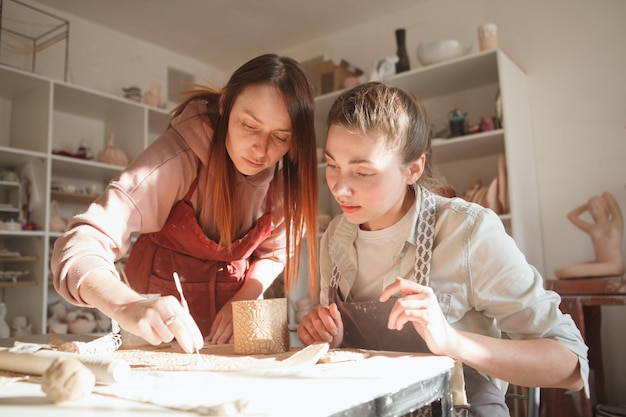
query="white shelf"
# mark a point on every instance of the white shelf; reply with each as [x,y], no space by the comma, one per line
[471,83]
[38,116]
[468,147]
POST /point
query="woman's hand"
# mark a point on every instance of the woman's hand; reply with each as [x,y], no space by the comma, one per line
[419,306]
[222,327]
[159,320]
[322,324]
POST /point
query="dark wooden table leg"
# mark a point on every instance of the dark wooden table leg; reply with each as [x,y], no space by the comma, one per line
[593,337]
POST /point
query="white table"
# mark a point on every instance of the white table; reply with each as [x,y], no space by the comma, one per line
[384,384]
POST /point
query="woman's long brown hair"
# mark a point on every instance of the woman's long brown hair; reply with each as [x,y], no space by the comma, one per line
[299,169]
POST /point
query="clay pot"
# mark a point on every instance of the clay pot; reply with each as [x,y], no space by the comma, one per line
[112,154]
[82,326]
[81,322]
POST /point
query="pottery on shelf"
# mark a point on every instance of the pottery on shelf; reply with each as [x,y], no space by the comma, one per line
[403,63]
[112,154]
[152,97]
[133,92]
[57,326]
[20,326]
[81,321]
[434,52]
[57,223]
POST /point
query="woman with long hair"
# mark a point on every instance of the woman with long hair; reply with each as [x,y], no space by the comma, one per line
[222,198]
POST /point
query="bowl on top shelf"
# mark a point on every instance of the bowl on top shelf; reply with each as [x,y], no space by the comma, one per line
[434,52]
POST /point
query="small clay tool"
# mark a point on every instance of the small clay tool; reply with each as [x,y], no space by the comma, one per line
[183,301]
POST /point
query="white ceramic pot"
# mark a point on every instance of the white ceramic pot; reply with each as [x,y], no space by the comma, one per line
[439,51]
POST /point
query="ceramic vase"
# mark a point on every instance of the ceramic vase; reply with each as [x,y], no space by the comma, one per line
[403,63]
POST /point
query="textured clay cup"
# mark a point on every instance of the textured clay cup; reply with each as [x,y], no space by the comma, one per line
[260,326]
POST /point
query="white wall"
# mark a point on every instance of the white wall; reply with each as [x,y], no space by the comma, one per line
[572,50]
[108,61]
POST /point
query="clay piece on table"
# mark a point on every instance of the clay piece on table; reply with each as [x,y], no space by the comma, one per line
[67,379]
[343,355]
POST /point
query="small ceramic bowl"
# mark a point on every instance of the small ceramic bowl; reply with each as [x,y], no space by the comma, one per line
[438,51]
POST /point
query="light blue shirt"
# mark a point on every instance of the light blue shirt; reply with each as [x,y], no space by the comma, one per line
[481,278]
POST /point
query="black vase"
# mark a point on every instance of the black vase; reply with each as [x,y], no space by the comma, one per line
[403,63]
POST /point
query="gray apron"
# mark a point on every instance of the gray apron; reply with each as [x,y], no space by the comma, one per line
[365,323]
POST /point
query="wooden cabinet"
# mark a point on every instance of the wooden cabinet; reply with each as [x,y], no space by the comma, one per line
[472,83]
[38,118]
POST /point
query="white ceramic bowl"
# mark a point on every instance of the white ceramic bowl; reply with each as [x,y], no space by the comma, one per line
[438,51]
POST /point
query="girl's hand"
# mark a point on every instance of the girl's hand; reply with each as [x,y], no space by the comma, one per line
[159,320]
[322,324]
[419,306]
[222,327]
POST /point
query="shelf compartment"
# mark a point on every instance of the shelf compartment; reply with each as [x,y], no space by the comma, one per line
[73,197]
[83,117]
[5,284]
[450,77]
[24,111]
[468,146]
[88,170]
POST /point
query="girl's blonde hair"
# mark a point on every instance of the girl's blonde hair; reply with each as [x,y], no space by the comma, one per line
[379,108]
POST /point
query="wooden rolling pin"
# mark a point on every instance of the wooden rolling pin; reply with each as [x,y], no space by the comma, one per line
[105,370]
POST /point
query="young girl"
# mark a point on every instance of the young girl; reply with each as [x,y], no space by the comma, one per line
[403,269]
[222,198]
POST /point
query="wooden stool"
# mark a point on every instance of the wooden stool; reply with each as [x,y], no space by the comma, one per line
[583,299]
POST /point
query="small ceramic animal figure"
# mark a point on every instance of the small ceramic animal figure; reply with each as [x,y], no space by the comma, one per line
[384,67]
[605,232]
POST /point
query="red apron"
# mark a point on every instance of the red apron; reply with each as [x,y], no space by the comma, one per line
[210,274]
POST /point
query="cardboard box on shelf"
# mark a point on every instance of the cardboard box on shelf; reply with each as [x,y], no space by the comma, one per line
[332,77]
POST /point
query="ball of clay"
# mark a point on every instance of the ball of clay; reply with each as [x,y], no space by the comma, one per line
[67,379]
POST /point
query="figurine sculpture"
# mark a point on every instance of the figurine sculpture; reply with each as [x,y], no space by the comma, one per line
[605,232]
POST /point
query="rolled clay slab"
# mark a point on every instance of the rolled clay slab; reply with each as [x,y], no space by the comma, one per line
[105,370]
[260,326]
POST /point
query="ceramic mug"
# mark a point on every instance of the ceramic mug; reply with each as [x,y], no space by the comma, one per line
[488,36]
[260,326]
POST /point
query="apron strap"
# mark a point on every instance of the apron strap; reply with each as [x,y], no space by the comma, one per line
[191,190]
[425,236]
[424,242]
